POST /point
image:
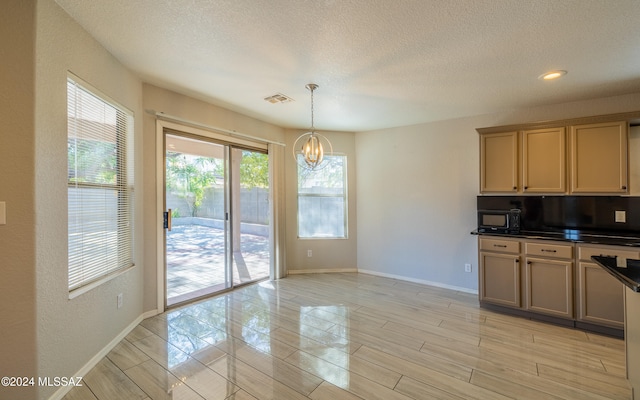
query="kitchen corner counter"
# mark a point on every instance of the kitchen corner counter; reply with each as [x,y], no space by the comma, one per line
[629,275]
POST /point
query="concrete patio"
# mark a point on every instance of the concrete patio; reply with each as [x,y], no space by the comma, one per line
[195,261]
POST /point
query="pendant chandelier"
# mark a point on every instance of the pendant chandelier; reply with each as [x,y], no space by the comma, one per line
[314,145]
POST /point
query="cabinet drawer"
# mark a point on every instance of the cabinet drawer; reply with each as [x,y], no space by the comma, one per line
[501,245]
[585,253]
[549,250]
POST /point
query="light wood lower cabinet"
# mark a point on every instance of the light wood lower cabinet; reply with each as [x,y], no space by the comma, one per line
[549,278]
[553,278]
[500,277]
[600,297]
[549,286]
[499,271]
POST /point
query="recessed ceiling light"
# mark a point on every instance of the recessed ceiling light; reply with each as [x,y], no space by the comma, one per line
[551,75]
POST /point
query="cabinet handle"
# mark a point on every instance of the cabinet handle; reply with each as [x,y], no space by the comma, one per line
[529,262]
[624,188]
[526,187]
[515,188]
[548,251]
[500,245]
[517,260]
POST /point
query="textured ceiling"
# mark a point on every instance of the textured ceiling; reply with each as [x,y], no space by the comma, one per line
[379,63]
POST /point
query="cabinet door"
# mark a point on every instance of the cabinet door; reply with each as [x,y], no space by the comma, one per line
[599,158]
[549,286]
[544,161]
[499,162]
[500,279]
[600,296]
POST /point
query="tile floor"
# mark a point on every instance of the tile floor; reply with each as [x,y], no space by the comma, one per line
[353,336]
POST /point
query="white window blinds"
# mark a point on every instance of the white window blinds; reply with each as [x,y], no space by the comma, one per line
[100,186]
[322,199]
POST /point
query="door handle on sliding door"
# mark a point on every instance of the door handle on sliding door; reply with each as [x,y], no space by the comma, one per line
[166,219]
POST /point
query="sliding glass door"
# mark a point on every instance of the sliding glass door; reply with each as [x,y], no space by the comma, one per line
[216,217]
[250,206]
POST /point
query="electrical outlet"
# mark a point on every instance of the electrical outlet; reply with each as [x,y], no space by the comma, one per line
[119,300]
[467,268]
[621,216]
[309,253]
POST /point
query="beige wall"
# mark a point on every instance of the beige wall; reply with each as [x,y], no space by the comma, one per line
[17,189]
[417,188]
[328,254]
[72,331]
[190,109]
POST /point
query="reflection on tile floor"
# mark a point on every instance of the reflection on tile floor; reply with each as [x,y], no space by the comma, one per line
[195,259]
[353,336]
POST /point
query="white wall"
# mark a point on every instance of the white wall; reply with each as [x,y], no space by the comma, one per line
[72,332]
[417,188]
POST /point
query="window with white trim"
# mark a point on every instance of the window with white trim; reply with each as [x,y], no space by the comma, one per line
[322,199]
[100,186]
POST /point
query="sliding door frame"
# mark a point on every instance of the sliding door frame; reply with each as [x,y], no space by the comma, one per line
[162,127]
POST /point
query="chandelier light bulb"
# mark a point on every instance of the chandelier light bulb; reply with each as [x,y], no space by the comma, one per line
[312,151]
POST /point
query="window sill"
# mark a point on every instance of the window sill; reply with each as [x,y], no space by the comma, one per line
[90,286]
[322,238]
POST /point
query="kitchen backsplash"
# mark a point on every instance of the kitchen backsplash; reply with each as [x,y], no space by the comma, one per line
[592,213]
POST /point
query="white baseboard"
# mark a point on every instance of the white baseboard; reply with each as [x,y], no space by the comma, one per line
[320,271]
[420,281]
[150,313]
[382,274]
[63,390]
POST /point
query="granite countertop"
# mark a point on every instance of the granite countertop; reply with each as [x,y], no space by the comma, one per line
[574,236]
[629,276]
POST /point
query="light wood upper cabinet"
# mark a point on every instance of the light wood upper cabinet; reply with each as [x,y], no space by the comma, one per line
[592,159]
[499,162]
[544,161]
[599,158]
[539,155]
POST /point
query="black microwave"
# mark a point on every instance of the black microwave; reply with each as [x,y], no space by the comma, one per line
[499,221]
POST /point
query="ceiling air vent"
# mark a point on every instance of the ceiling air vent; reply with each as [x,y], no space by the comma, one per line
[278,98]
